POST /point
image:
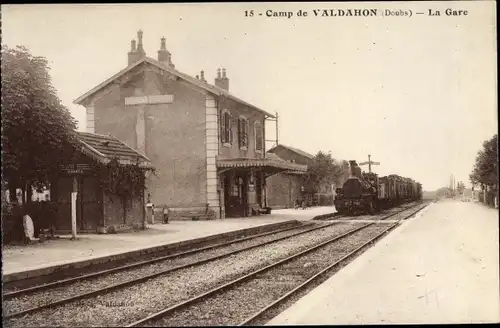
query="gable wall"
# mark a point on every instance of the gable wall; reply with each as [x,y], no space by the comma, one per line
[171,135]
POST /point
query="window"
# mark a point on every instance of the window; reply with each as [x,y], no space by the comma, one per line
[243,132]
[258,136]
[226,132]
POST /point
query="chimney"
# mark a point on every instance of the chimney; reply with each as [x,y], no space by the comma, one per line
[132,55]
[136,53]
[164,55]
[202,76]
[222,81]
[140,48]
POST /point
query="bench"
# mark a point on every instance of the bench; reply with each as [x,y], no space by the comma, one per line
[198,215]
[265,210]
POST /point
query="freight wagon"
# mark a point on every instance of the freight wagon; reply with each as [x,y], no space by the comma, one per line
[367,193]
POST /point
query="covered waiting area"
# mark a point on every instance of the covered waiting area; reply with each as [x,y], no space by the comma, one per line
[242,182]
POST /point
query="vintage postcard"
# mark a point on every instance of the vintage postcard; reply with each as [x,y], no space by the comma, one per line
[195,164]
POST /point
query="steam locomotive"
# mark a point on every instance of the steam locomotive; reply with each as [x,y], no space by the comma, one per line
[367,193]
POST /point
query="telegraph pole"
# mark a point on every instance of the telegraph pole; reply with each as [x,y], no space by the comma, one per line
[277,131]
[275,119]
[370,163]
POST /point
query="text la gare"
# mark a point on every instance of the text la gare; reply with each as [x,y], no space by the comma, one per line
[448,12]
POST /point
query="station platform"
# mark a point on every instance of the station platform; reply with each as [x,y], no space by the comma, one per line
[440,267]
[301,214]
[20,262]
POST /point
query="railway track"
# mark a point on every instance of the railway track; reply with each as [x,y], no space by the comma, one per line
[248,298]
[87,286]
[338,216]
[273,308]
[48,309]
[12,291]
[68,276]
[392,212]
[329,216]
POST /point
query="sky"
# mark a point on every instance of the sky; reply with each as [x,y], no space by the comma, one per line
[417,93]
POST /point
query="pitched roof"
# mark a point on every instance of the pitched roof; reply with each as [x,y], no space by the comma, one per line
[295,150]
[106,147]
[203,85]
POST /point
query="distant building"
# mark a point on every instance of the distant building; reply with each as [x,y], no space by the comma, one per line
[285,189]
[206,144]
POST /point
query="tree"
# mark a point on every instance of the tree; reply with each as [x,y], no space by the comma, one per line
[38,132]
[444,192]
[323,171]
[460,187]
[485,170]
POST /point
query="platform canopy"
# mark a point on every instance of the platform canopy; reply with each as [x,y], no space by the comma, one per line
[270,165]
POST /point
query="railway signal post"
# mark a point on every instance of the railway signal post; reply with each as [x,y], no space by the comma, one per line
[370,163]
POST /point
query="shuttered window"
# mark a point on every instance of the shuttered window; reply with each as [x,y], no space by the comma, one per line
[226,132]
[258,136]
[243,132]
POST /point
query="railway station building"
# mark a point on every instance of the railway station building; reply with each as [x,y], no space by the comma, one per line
[97,209]
[287,189]
[206,144]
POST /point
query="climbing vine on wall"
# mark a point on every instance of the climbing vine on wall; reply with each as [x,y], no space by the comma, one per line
[122,180]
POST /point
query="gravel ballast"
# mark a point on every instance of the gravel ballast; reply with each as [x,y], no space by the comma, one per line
[148,254]
[235,305]
[397,213]
[120,307]
[53,294]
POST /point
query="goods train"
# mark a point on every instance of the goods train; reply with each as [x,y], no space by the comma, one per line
[367,193]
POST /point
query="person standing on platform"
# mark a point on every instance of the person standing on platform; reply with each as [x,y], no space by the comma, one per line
[303,194]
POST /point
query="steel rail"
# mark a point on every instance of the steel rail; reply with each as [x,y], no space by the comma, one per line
[150,276]
[306,283]
[423,205]
[328,216]
[59,283]
[200,297]
[234,282]
[405,209]
[341,216]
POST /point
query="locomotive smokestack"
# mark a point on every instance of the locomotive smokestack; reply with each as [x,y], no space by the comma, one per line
[355,170]
[352,165]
